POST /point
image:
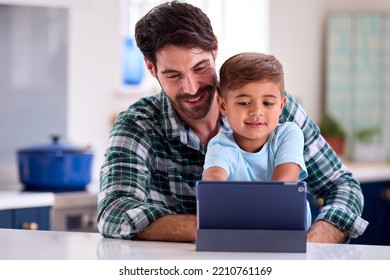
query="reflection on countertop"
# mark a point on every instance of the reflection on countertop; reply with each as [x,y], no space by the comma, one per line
[45,245]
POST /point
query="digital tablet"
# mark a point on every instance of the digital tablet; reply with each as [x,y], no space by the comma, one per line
[251,205]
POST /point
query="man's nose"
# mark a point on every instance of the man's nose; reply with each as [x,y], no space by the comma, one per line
[189,85]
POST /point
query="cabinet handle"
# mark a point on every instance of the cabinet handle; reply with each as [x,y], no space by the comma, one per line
[386,194]
[31,226]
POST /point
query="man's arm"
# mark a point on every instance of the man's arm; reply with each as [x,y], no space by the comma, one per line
[328,179]
[180,228]
[124,208]
[324,232]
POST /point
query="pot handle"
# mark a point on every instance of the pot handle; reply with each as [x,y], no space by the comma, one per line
[55,139]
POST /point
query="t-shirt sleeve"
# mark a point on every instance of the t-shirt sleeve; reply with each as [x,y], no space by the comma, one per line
[290,147]
[221,152]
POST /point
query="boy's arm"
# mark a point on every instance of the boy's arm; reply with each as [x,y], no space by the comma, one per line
[288,171]
[214,173]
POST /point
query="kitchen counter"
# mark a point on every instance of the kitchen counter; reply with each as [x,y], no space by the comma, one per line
[45,245]
[12,198]
[17,199]
[367,172]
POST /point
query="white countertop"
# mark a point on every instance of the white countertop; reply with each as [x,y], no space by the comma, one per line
[46,245]
[369,172]
[17,199]
[13,197]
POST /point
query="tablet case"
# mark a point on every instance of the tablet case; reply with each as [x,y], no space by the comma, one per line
[251,216]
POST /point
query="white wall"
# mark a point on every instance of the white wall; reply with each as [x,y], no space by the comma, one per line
[94,72]
[297,39]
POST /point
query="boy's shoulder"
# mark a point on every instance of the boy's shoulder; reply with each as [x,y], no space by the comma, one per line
[287,126]
[224,136]
[289,130]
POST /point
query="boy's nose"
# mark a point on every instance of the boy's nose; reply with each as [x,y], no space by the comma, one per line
[256,111]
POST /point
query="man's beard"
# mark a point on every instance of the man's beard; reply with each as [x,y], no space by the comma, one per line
[195,112]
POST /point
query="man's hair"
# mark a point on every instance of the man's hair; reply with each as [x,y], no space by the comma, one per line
[244,68]
[173,23]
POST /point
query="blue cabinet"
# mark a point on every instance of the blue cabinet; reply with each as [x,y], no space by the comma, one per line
[376,211]
[26,218]
[6,219]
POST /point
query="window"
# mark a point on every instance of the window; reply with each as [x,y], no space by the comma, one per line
[239,25]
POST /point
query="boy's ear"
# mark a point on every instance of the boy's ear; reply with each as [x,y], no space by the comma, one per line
[284,98]
[222,105]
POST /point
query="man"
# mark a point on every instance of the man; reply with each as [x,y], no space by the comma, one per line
[157,147]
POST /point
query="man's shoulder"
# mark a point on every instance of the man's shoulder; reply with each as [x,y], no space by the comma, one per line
[147,106]
[143,115]
[290,109]
[144,109]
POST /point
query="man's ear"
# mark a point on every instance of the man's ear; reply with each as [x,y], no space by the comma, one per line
[215,49]
[150,67]
[222,105]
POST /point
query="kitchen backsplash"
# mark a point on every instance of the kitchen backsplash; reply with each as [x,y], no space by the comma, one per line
[33,80]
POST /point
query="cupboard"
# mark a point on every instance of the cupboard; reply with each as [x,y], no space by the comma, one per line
[26,218]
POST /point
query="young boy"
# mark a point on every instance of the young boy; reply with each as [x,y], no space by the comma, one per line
[257,148]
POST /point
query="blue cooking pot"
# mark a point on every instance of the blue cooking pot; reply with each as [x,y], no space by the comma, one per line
[55,167]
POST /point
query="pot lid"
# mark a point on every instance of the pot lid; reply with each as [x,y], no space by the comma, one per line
[55,147]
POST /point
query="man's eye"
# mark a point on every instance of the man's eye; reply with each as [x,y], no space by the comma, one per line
[200,69]
[173,77]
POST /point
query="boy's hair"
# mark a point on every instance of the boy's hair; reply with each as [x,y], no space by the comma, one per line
[173,23]
[244,68]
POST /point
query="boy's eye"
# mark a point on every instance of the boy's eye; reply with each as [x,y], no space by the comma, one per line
[268,103]
[243,103]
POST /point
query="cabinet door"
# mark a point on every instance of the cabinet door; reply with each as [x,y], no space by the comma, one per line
[32,218]
[377,212]
[6,219]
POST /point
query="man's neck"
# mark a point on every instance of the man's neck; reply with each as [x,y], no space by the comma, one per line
[208,127]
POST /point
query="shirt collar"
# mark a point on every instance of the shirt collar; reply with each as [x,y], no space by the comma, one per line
[171,124]
[173,127]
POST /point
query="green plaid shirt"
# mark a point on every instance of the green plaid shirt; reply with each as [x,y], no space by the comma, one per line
[153,161]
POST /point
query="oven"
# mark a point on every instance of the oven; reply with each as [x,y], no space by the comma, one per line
[74,211]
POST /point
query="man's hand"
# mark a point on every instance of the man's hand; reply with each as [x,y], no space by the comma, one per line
[178,228]
[324,232]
